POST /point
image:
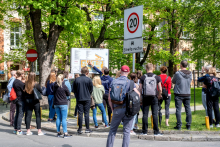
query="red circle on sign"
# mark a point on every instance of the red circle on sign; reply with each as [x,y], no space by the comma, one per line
[128,21]
[31,55]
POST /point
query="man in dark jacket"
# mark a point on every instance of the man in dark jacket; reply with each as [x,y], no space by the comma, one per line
[106,82]
[182,80]
[83,88]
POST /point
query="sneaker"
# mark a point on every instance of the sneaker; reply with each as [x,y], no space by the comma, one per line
[67,136]
[218,126]
[177,128]
[158,134]
[103,123]
[135,128]
[88,131]
[29,133]
[75,116]
[41,133]
[19,133]
[188,127]
[79,132]
[211,126]
[107,126]
[132,133]
[96,127]
[143,134]
[14,132]
[59,134]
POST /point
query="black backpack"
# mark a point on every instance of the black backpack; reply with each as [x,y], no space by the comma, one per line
[164,90]
[132,101]
[215,87]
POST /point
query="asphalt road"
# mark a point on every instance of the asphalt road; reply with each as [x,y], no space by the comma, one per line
[7,139]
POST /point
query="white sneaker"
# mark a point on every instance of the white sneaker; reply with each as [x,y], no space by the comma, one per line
[136,128]
[211,126]
[218,126]
[132,133]
[41,133]
[143,134]
[29,133]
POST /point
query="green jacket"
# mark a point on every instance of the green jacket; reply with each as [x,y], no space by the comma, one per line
[97,94]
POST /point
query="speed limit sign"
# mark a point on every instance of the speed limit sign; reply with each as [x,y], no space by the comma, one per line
[133,20]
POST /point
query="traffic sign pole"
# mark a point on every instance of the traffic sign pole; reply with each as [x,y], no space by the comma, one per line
[133,62]
[32,56]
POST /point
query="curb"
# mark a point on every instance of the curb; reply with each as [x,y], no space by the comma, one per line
[146,137]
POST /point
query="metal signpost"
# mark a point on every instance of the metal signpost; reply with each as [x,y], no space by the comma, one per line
[133,41]
[31,56]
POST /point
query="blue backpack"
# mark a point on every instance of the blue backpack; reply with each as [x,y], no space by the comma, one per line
[118,89]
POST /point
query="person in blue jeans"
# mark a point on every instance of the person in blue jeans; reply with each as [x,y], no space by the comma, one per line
[60,104]
[97,94]
[50,93]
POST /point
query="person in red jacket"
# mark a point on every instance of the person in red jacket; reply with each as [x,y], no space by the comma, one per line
[166,82]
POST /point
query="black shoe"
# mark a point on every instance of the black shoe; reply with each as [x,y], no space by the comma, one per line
[59,134]
[158,134]
[214,122]
[96,127]
[67,136]
[177,128]
[188,128]
[88,131]
[79,132]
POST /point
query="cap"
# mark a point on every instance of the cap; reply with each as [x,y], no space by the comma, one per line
[125,68]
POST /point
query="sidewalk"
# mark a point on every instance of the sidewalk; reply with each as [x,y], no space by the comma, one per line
[103,133]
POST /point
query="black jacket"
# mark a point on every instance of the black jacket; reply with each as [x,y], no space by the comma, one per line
[19,89]
[83,88]
[60,94]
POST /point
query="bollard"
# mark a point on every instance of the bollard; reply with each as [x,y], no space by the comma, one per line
[207,122]
[77,119]
[40,113]
[152,121]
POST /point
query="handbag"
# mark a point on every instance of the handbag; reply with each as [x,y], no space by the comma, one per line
[44,91]
[6,98]
[37,94]
[92,104]
[13,95]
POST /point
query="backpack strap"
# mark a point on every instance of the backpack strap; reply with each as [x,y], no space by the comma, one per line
[165,81]
[145,75]
[131,85]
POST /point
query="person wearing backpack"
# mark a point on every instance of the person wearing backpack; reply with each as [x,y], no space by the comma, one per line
[67,83]
[118,90]
[12,105]
[106,81]
[202,79]
[148,87]
[166,84]
[182,80]
[212,87]
[32,103]
[18,86]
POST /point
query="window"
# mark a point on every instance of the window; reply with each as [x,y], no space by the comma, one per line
[185,35]
[98,16]
[15,37]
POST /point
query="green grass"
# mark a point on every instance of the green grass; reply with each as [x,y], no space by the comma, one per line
[198,118]
[198,91]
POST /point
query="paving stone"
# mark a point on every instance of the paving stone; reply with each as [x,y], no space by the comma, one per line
[213,138]
[146,137]
[173,138]
[162,138]
[187,138]
[199,138]
[103,135]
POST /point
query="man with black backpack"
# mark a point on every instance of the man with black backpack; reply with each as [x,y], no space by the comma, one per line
[148,88]
[182,80]
[124,101]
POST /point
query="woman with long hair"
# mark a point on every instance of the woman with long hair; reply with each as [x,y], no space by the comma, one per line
[50,93]
[32,103]
[60,104]
[97,94]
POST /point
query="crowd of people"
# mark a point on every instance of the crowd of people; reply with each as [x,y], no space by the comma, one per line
[98,92]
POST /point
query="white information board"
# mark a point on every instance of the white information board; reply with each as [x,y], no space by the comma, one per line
[133,21]
[81,56]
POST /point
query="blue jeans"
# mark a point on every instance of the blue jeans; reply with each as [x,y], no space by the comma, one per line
[134,122]
[52,111]
[61,111]
[101,107]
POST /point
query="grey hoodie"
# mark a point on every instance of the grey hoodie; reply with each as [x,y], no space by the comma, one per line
[182,80]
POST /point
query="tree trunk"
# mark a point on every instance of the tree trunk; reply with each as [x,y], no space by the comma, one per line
[45,46]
